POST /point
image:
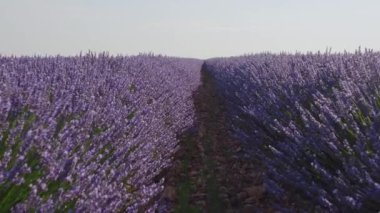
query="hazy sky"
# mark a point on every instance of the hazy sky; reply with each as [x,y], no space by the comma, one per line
[188,28]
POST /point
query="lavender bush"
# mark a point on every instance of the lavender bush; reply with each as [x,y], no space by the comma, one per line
[90,133]
[313,120]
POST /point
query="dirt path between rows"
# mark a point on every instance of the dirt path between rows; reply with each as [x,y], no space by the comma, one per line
[209,173]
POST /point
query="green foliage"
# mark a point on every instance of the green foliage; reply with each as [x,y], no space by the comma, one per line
[351,136]
[10,193]
[131,115]
[107,151]
[107,156]
[12,196]
[60,125]
[363,120]
[369,148]
[61,122]
[53,187]
[67,206]
[126,182]
[12,119]
[97,130]
[378,102]
[3,145]
[29,118]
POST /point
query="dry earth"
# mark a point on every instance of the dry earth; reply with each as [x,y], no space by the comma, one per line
[210,172]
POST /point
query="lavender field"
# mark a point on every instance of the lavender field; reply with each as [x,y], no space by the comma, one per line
[254,133]
[89,133]
[314,122]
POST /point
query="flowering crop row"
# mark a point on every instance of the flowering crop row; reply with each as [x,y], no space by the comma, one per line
[313,120]
[90,132]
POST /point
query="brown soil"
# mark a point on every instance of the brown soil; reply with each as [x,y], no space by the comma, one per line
[209,173]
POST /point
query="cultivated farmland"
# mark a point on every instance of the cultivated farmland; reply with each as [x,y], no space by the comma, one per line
[254,133]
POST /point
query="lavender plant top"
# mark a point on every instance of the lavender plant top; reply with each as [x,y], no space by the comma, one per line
[90,133]
[313,120]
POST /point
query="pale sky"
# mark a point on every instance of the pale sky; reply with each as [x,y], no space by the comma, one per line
[187,28]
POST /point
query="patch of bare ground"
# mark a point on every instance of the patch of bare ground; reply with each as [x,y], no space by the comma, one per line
[209,173]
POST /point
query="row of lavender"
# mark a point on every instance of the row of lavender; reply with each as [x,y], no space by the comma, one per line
[90,132]
[313,120]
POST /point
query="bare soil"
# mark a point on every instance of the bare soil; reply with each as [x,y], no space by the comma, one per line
[209,172]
